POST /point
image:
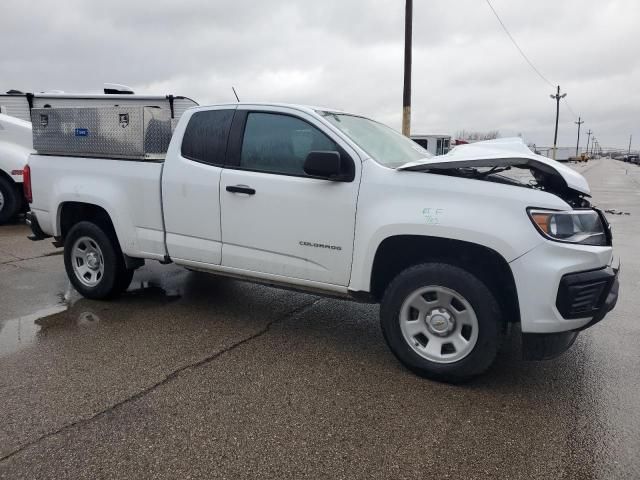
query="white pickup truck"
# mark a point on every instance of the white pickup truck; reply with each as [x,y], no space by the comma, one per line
[15,148]
[454,248]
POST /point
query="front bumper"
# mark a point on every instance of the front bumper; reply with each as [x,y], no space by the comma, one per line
[538,275]
[593,293]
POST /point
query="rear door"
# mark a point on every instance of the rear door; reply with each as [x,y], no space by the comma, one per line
[276,219]
[191,186]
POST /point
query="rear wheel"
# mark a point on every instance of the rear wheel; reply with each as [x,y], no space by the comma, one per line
[441,322]
[94,262]
[10,201]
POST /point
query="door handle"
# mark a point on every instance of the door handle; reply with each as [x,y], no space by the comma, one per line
[241,189]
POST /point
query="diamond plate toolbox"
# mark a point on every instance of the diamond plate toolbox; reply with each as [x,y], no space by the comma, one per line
[131,132]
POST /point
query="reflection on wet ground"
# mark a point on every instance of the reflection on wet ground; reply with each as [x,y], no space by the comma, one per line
[20,332]
[17,333]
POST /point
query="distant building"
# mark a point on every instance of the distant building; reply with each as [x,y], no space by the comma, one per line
[435,144]
[563,154]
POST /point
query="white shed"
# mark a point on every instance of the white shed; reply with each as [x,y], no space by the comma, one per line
[435,144]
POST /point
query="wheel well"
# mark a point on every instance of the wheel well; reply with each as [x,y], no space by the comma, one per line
[7,176]
[395,254]
[74,212]
[12,182]
[17,187]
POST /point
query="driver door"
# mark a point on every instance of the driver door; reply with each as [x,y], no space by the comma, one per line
[275,218]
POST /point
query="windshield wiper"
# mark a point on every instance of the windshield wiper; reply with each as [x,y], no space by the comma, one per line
[491,171]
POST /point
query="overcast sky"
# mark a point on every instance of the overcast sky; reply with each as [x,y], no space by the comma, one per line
[347,54]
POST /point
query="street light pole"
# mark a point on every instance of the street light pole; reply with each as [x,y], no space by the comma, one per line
[557,98]
[579,122]
[406,93]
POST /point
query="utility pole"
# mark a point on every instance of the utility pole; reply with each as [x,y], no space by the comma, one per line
[586,150]
[630,137]
[406,93]
[557,98]
[579,122]
[593,145]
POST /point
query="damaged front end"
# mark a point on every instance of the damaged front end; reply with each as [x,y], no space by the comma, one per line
[509,161]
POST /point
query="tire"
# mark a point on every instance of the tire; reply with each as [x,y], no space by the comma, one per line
[10,201]
[441,322]
[125,280]
[94,262]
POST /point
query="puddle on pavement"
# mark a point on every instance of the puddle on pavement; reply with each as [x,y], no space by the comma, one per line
[21,332]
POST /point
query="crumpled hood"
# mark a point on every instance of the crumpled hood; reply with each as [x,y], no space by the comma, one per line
[501,152]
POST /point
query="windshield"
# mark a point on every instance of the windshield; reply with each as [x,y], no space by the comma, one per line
[385,145]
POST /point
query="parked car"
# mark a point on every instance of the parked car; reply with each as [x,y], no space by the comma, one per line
[452,247]
[15,147]
[633,159]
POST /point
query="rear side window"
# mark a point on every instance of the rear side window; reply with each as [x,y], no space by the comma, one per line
[205,138]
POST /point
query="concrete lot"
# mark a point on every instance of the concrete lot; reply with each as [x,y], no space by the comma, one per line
[192,376]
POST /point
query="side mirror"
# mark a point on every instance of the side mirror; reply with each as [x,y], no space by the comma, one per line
[325,164]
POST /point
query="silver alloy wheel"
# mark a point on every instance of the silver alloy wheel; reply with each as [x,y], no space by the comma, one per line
[1,200]
[87,261]
[439,324]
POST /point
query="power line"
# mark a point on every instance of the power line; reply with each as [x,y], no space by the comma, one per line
[569,107]
[544,79]
[524,55]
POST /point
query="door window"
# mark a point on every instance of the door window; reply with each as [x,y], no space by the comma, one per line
[280,143]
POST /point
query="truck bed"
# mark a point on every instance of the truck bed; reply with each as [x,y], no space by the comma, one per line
[129,191]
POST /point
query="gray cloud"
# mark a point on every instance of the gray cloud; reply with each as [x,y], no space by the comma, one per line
[346,54]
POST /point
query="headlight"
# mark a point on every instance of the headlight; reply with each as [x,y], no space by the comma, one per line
[574,226]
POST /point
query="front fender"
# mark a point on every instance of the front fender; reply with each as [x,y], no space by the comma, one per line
[365,251]
[394,203]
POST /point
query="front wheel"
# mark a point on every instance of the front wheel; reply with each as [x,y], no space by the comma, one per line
[94,262]
[441,322]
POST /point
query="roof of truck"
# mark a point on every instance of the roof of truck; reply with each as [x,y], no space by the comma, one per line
[296,106]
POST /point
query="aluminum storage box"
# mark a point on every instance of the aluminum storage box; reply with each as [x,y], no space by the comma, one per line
[128,132]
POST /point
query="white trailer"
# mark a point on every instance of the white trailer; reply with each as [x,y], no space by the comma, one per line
[15,129]
[433,143]
[563,154]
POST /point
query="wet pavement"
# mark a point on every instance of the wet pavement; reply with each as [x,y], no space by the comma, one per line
[193,376]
